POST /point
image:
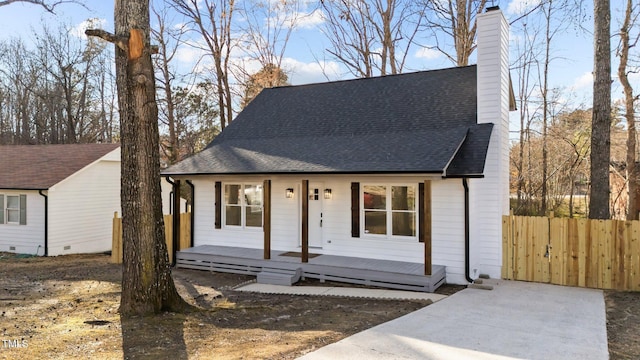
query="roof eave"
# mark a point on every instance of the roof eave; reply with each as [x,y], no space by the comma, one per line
[24,188]
[345,172]
[453,155]
[462,176]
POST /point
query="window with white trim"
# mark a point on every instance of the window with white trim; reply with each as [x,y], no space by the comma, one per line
[13,209]
[243,205]
[389,210]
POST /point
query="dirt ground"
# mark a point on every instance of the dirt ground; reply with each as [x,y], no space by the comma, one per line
[623,324]
[67,307]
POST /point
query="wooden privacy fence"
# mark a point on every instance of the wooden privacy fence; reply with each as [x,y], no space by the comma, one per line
[603,254]
[185,235]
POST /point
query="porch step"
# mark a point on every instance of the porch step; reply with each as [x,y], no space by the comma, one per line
[274,276]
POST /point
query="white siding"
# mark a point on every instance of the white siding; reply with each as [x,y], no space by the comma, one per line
[81,208]
[205,232]
[447,209]
[204,212]
[490,195]
[286,227]
[26,239]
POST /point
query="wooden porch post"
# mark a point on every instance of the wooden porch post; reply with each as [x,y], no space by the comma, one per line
[176,219]
[266,226]
[427,227]
[305,220]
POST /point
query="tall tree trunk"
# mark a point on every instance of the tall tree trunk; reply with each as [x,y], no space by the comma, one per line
[601,120]
[545,108]
[147,286]
[164,58]
[632,177]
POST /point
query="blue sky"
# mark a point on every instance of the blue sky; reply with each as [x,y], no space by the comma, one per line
[570,70]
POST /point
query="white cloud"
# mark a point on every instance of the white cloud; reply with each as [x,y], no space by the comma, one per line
[634,77]
[584,81]
[427,54]
[519,7]
[95,23]
[310,20]
[305,73]
[297,19]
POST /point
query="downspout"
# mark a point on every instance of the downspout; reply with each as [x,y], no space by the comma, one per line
[176,210]
[173,186]
[467,249]
[193,208]
[46,223]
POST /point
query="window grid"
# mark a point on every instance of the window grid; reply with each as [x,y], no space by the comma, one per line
[243,205]
[394,218]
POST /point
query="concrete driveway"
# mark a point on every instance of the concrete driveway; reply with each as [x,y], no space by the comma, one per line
[514,320]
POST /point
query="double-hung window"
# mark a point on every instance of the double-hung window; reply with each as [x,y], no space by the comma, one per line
[243,205]
[389,210]
[13,209]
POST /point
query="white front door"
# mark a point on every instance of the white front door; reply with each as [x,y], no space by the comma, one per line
[315,215]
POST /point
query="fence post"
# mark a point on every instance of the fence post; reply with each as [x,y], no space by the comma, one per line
[168,235]
[116,240]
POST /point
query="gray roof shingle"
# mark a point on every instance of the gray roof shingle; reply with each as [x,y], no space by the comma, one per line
[39,167]
[419,122]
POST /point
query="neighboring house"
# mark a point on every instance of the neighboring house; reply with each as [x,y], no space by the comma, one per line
[58,199]
[410,167]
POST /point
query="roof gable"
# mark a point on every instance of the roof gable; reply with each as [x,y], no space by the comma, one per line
[414,122]
[39,167]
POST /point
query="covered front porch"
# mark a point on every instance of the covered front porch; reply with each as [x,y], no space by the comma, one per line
[288,267]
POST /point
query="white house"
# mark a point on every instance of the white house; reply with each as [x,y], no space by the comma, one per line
[58,199]
[410,168]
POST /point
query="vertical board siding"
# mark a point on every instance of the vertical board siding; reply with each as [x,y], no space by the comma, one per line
[603,254]
[183,243]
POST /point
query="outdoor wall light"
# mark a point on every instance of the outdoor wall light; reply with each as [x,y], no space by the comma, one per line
[289,193]
[327,193]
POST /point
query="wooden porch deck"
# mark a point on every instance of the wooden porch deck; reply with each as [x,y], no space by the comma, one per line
[382,273]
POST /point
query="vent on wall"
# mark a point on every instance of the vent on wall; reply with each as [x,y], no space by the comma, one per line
[67,247]
[12,248]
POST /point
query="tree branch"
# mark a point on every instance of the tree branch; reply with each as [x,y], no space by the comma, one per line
[120,41]
[47,6]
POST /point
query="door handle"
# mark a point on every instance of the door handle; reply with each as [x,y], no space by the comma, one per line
[320,222]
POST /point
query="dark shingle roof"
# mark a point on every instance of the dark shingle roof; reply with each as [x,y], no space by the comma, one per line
[39,167]
[412,123]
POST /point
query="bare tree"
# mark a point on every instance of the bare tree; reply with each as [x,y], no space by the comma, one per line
[168,40]
[147,286]
[628,41]
[212,21]
[601,121]
[372,37]
[552,26]
[455,20]
[523,66]
[267,28]
[47,5]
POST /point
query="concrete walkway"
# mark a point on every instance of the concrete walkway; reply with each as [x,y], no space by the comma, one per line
[514,320]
